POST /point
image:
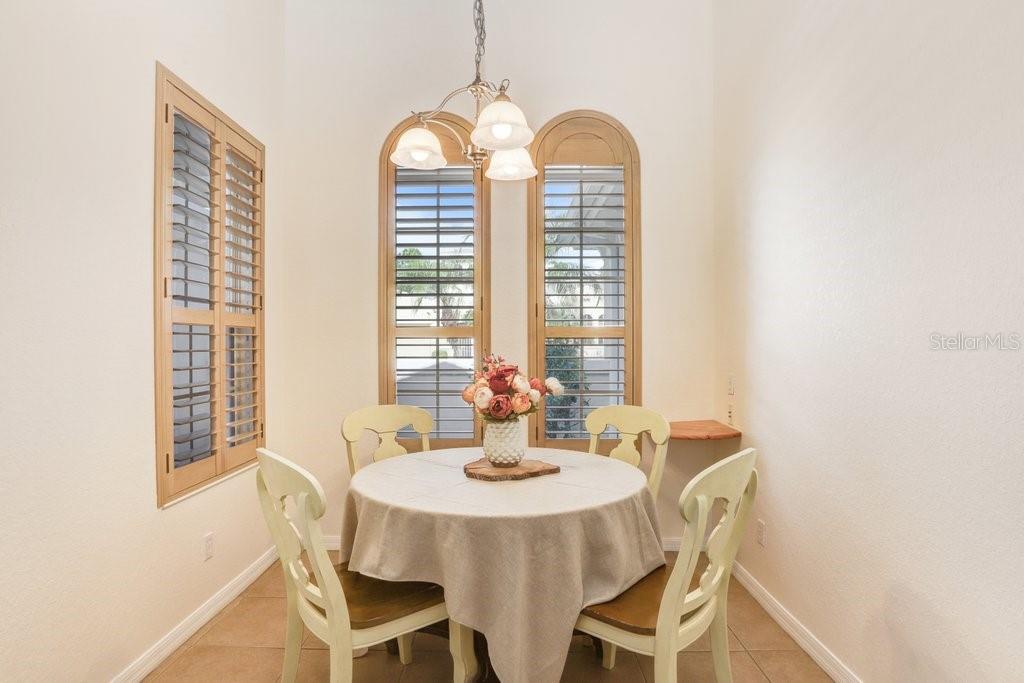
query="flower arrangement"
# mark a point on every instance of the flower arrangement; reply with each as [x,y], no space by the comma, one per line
[501,393]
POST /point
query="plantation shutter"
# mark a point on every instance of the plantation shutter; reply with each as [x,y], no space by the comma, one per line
[209,322]
[584,276]
[435,228]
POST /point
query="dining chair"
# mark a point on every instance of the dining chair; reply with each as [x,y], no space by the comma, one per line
[631,422]
[671,607]
[344,609]
[385,422]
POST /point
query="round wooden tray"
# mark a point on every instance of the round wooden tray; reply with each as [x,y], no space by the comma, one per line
[485,471]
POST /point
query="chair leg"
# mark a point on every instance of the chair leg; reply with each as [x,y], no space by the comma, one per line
[460,642]
[405,648]
[292,645]
[608,652]
[341,665]
[719,631]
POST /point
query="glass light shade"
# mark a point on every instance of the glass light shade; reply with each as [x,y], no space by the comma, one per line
[501,126]
[418,148]
[511,164]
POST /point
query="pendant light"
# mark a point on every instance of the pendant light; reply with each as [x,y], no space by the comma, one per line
[501,131]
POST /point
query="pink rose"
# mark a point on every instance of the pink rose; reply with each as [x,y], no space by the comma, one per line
[501,378]
[469,392]
[521,403]
[500,406]
[538,385]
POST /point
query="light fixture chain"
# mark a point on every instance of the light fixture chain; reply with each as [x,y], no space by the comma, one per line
[481,33]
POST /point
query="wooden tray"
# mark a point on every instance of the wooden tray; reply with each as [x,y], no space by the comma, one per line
[485,471]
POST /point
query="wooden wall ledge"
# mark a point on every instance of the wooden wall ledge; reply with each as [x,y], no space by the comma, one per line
[702,430]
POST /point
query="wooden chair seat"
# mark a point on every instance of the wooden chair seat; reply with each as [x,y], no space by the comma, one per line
[636,609]
[372,602]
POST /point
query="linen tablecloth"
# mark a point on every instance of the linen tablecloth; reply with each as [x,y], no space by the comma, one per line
[518,560]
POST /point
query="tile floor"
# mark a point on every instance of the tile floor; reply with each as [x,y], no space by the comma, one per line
[243,643]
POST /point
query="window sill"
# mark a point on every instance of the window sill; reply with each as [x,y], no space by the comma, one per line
[220,478]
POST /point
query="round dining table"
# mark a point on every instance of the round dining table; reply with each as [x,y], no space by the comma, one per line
[518,560]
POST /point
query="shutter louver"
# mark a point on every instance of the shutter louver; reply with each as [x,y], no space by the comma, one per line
[193,215]
[434,281]
[193,393]
[584,286]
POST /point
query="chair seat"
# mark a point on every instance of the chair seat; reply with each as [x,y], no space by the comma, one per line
[636,609]
[372,602]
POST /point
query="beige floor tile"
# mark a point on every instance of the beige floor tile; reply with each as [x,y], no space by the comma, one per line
[584,667]
[427,642]
[698,667]
[753,626]
[426,667]
[375,667]
[254,622]
[703,644]
[270,584]
[789,667]
[225,665]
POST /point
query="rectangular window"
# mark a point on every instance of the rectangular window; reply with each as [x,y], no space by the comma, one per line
[208,232]
[433,243]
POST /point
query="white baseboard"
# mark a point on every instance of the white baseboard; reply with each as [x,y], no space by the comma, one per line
[332,542]
[818,651]
[163,648]
[671,544]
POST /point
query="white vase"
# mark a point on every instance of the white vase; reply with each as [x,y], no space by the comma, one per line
[503,442]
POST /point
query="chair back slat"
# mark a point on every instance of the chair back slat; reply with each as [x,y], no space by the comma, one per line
[385,422]
[631,422]
[728,486]
[293,503]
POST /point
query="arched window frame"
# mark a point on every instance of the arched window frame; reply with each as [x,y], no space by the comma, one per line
[584,137]
[388,330]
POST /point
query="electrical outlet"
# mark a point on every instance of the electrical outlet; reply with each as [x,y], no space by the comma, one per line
[732,385]
[762,533]
[208,546]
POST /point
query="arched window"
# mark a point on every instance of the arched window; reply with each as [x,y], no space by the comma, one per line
[584,271]
[434,304]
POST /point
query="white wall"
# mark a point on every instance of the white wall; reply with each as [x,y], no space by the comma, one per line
[355,70]
[93,572]
[869,193]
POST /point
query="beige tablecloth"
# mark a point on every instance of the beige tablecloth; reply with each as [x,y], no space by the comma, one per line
[518,559]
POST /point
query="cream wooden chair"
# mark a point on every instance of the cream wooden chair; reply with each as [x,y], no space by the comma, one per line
[671,607]
[631,422]
[385,422]
[344,609]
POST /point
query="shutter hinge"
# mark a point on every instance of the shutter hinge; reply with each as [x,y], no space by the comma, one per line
[536,309]
[262,433]
[167,112]
[167,462]
[165,288]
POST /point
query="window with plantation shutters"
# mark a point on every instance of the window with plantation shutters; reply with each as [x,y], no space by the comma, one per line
[584,272]
[208,237]
[433,288]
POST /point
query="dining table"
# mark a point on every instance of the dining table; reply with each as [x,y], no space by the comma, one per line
[518,560]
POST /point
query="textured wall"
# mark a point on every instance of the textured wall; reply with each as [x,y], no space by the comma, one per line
[869,193]
[94,573]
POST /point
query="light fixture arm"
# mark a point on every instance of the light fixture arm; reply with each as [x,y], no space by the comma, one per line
[500,125]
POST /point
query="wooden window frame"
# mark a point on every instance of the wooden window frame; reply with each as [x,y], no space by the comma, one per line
[174,95]
[570,138]
[388,331]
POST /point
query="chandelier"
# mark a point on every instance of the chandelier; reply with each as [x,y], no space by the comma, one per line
[501,132]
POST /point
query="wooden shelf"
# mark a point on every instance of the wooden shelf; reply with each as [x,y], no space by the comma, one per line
[702,430]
